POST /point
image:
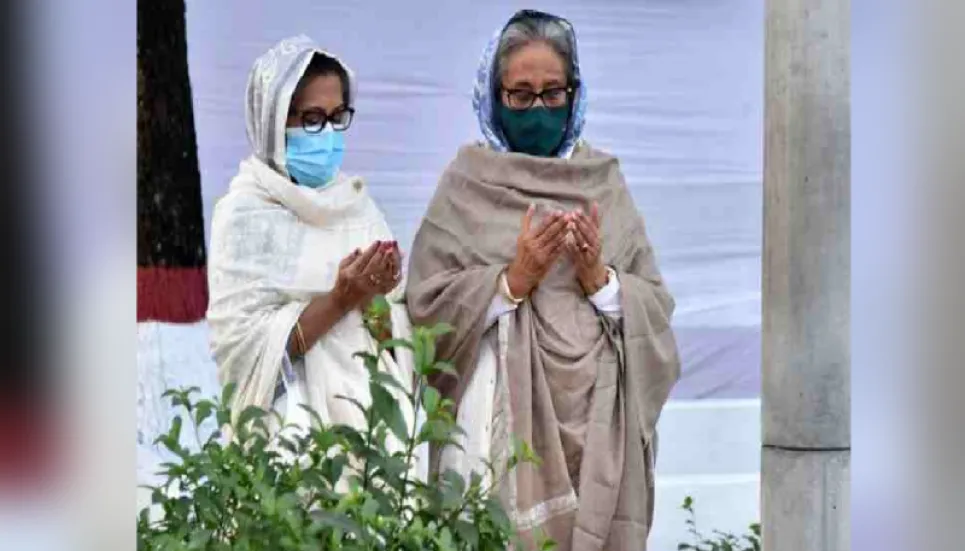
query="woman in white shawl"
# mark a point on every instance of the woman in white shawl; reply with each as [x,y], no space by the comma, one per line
[298,249]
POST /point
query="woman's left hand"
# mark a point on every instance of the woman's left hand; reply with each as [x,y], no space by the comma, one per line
[389,272]
[586,248]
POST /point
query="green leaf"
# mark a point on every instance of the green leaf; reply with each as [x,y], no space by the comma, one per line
[446,367]
[175,433]
[203,411]
[333,468]
[338,521]
[249,414]
[498,514]
[387,408]
[440,329]
[429,354]
[200,539]
[227,393]
[395,343]
[476,479]
[445,540]
[468,533]
[354,402]
[370,508]
[387,380]
[430,399]
[455,481]
[546,544]
[526,453]
[350,436]
[322,439]
[370,360]
[418,353]
[435,431]
[379,306]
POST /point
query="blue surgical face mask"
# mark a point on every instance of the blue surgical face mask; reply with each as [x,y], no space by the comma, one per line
[313,159]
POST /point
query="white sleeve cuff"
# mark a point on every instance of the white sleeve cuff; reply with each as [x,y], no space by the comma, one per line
[499,306]
[607,299]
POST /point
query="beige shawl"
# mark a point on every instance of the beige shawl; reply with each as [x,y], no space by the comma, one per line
[577,380]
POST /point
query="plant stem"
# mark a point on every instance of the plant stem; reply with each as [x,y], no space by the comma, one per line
[410,446]
[368,442]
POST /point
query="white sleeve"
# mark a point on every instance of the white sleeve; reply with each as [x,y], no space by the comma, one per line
[607,300]
[499,306]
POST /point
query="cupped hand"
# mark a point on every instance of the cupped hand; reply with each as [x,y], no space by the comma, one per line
[365,274]
[536,251]
[585,249]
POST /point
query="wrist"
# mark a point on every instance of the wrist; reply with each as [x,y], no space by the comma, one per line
[594,280]
[343,299]
[519,286]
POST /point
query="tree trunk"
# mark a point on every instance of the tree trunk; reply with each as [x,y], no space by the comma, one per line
[171,284]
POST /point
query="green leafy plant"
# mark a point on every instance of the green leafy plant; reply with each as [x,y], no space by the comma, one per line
[718,541]
[332,486]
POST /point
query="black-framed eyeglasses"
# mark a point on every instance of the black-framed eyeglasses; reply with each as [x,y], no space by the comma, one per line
[520,98]
[314,120]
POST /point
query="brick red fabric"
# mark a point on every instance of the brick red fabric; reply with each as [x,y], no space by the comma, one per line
[172,295]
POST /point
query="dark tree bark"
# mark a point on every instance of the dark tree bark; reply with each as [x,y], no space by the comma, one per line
[170,220]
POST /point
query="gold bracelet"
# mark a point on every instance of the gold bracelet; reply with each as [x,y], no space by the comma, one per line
[300,339]
[506,291]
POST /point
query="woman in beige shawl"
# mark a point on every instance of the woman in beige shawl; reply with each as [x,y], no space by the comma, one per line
[298,249]
[562,325]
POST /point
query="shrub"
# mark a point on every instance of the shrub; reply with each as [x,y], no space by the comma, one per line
[719,541]
[249,494]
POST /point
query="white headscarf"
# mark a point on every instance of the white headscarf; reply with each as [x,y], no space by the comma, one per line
[271,84]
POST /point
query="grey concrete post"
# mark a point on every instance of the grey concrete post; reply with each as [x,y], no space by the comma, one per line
[806,277]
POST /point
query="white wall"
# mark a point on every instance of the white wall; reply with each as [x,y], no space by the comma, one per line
[675,91]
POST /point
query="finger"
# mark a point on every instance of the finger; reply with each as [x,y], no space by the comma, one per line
[363,259]
[592,254]
[388,263]
[552,230]
[576,254]
[375,260]
[555,249]
[595,214]
[528,218]
[348,260]
[586,231]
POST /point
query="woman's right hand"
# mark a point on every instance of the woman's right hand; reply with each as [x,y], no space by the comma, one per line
[362,274]
[536,251]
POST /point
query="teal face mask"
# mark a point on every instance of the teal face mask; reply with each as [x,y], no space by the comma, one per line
[535,131]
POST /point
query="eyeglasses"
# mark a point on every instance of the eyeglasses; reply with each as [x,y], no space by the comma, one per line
[314,120]
[551,97]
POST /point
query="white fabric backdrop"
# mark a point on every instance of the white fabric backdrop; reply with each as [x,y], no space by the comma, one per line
[676,91]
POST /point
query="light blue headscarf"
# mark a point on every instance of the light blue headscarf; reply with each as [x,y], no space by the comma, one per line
[484,92]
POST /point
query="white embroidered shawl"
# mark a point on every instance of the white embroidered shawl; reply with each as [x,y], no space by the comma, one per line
[274,246]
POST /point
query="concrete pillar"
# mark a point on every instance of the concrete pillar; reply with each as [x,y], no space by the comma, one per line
[806,277]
